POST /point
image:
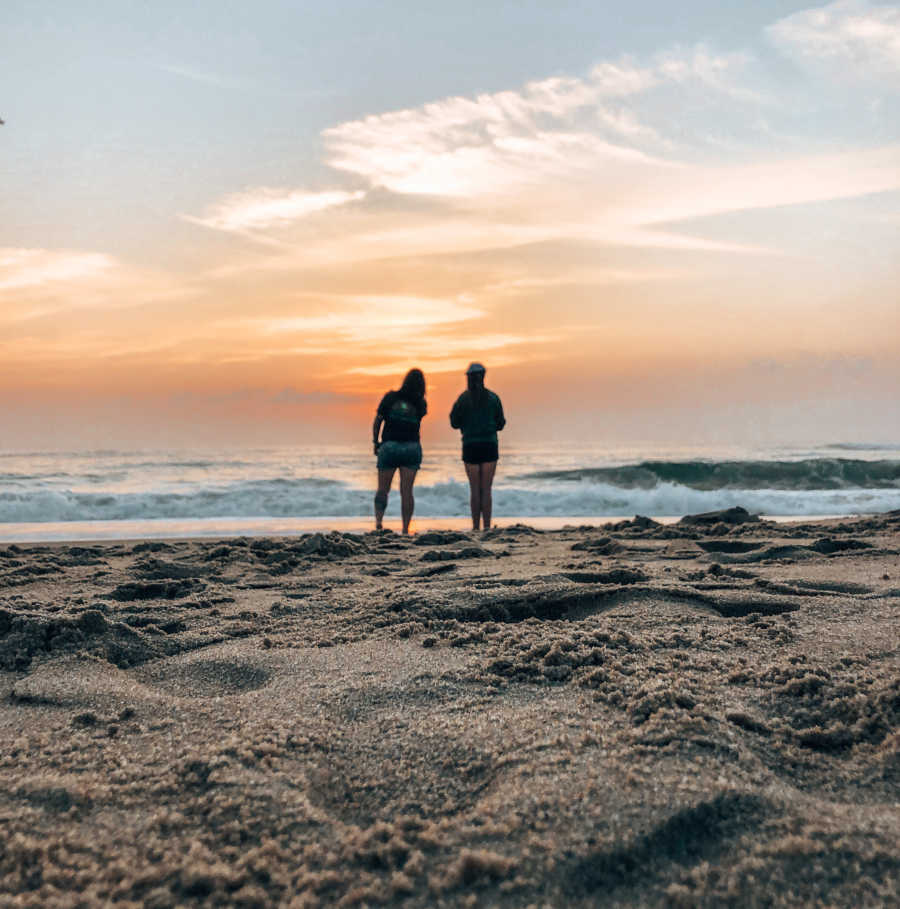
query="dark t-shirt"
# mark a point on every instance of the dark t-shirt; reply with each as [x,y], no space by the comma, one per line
[402,417]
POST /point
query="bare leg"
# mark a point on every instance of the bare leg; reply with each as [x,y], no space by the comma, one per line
[473,472]
[407,501]
[486,481]
[385,477]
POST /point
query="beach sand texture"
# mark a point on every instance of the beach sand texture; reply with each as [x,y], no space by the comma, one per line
[701,714]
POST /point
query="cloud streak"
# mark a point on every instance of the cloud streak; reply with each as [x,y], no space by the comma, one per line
[436,332]
[215,80]
[36,268]
[373,318]
[265,208]
[36,283]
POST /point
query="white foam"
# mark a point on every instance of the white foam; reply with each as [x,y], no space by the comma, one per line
[337,482]
[283,498]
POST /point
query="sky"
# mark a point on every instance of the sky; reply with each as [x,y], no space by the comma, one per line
[240,224]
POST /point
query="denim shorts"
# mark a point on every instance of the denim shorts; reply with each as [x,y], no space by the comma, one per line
[399,454]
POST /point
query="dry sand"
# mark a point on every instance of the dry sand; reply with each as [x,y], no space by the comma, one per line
[702,714]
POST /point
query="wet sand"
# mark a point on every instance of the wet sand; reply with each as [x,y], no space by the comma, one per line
[699,714]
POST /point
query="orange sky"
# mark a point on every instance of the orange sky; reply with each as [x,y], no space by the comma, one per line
[650,247]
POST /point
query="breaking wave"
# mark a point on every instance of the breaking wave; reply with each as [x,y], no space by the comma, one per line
[809,474]
[659,488]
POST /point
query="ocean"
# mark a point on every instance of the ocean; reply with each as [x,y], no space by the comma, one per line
[152,494]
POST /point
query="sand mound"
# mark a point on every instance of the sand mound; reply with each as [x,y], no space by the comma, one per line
[461,552]
[510,533]
[599,546]
[440,538]
[728,546]
[638,524]
[330,545]
[735,515]
[26,635]
[157,569]
[613,576]
[156,590]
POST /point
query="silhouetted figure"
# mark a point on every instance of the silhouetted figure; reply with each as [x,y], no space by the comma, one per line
[400,412]
[479,414]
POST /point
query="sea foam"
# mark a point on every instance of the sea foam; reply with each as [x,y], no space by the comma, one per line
[619,491]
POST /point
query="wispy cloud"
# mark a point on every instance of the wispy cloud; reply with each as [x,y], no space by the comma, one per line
[429,154]
[701,191]
[372,318]
[623,78]
[205,77]
[863,38]
[41,282]
[31,268]
[436,332]
[293,397]
[439,364]
[702,66]
[265,208]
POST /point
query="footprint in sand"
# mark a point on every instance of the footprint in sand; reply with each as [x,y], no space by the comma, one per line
[206,678]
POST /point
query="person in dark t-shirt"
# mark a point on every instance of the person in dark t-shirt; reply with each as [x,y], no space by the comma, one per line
[478,414]
[397,422]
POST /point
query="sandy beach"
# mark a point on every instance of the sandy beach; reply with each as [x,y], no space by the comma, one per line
[697,714]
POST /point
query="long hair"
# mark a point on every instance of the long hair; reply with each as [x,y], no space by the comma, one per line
[413,387]
[475,383]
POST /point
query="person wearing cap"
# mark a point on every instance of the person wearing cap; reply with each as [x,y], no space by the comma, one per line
[478,413]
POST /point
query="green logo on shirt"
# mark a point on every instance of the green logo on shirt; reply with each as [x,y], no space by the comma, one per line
[404,411]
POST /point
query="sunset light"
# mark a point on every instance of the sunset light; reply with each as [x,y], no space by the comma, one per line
[725,202]
[628,221]
[449,453]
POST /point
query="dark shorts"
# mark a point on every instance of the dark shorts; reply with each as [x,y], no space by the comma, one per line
[480,452]
[399,454]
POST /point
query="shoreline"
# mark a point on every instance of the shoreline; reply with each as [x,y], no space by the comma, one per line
[232,528]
